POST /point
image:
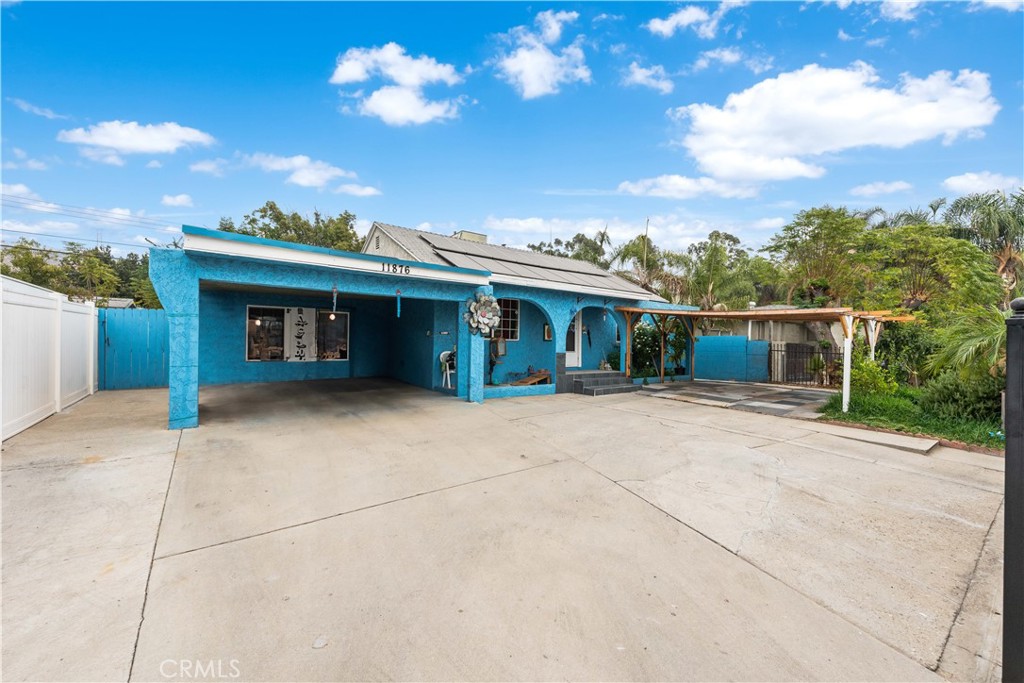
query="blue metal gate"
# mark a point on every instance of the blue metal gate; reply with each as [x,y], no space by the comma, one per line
[132,348]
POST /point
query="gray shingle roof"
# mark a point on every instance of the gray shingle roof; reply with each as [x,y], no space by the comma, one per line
[430,247]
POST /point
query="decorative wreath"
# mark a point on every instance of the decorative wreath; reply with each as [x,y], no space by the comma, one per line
[482,315]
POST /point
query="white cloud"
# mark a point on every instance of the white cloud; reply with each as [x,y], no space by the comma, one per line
[105,142]
[18,190]
[391,62]
[1008,5]
[154,164]
[728,56]
[102,155]
[61,228]
[876,42]
[687,16]
[403,101]
[608,17]
[682,187]
[985,181]
[550,24]
[398,105]
[22,161]
[33,109]
[668,231]
[722,55]
[776,129]
[214,167]
[654,77]
[533,68]
[692,16]
[880,188]
[176,200]
[899,10]
[302,170]
[358,190]
[844,36]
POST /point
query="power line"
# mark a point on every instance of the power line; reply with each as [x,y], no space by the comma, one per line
[83,242]
[103,213]
[109,219]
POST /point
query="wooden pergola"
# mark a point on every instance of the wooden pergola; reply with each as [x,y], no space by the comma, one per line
[847,317]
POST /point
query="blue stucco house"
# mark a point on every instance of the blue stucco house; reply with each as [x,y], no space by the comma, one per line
[247,309]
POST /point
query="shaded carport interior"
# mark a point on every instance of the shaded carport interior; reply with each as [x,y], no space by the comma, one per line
[390,337]
[848,318]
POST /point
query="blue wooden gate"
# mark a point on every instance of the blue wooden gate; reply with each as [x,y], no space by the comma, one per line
[132,348]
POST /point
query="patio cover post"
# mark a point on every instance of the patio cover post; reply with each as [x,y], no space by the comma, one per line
[847,322]
[871,330]
[629,343]
[1013,522]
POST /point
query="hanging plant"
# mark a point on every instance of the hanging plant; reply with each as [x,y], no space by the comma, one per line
[482,315]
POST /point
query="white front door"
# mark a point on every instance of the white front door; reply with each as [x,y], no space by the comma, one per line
[573,342]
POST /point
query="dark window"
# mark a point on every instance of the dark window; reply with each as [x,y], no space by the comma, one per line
[265,334]
[332,335]
[508,327]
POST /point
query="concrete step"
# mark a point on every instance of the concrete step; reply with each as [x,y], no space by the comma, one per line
[611,389]
[593,374]
[580,383]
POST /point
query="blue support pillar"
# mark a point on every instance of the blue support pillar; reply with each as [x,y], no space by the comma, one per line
[183,404]
[177,284]
[477,364]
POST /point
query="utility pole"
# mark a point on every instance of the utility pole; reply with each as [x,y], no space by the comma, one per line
[647,227]
[1013,523]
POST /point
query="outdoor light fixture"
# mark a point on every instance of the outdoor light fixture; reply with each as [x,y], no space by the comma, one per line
[258,322]
[334,302]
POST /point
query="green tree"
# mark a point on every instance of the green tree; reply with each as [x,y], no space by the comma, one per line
[29,261]
[87,273]
[718,272]
[921,267]
[816,252]
[269,221]
[994,222]
[640,261]
[580,247]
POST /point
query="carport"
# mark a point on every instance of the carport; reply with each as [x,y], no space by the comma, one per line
[849,319]
[245,309]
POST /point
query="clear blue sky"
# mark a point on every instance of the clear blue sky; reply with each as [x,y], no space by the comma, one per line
[519,120]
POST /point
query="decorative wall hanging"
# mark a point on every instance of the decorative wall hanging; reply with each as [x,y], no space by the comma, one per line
[482,315]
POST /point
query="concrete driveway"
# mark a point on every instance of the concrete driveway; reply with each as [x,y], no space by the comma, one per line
[370,530]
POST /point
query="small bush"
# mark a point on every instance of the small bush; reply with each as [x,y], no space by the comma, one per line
[613,359]
[868,377]
[977,397]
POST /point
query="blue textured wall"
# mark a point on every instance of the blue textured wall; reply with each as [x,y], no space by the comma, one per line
[530,349]
[731,358]
[222,325]
[601,340]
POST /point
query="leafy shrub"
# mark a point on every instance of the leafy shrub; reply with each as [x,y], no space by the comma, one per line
[903,349]
[646,349]
[868,377]
[951,395]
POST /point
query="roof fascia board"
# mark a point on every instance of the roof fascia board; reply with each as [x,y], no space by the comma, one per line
[327,258]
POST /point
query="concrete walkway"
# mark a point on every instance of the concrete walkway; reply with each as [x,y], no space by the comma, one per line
[767,399]
[369,530]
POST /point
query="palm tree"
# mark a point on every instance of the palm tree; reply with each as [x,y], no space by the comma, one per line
[639,261]
[994,222]
[976,342]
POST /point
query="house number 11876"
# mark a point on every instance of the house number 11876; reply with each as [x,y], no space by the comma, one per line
[395,268]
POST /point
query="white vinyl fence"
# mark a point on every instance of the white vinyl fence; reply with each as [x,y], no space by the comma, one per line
[49,353]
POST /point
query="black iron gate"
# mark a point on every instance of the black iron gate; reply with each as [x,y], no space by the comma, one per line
[807,364]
